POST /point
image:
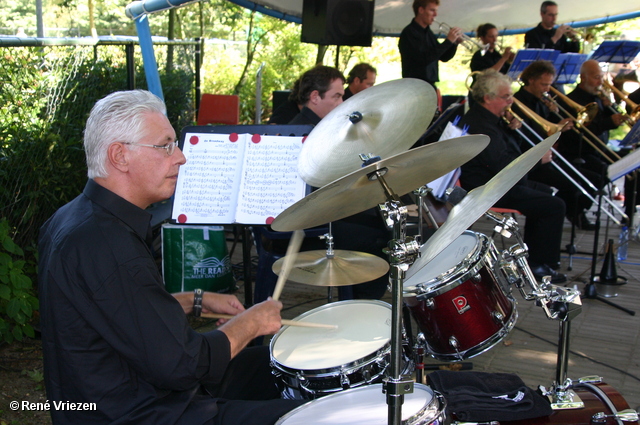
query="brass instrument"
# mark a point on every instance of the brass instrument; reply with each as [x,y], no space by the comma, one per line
[584,115]
[632,118]
[551,128]
[469,43]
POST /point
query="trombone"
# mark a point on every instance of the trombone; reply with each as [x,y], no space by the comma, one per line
[469,43]
[584,115]
[550,129]
[629,118]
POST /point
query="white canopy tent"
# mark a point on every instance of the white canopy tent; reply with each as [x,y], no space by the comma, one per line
[510,16]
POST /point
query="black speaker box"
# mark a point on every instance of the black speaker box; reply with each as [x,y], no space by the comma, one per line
[337,22]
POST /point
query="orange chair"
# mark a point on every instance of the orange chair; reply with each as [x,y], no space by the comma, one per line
[219,109]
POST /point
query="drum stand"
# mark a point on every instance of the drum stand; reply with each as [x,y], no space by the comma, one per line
[557,302]
[402,251]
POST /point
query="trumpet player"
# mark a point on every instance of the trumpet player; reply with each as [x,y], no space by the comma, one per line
[547,36]
[490,57]
[419,48]
[544,212]
[536,80]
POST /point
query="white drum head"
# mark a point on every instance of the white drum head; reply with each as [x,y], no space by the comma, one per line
[444,262]
[363,328]
[364,405]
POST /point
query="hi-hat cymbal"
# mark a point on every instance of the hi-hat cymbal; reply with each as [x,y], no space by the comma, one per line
[476,203]
[345,268]
[355,192]
[392,117]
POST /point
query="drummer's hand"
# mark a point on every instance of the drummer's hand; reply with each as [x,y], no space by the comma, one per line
[267,315]
[221,303]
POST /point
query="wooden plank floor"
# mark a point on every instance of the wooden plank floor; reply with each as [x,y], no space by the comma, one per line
[604,340]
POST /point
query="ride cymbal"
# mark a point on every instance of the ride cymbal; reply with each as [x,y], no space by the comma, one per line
[383,120]
[356,192]
[345,268]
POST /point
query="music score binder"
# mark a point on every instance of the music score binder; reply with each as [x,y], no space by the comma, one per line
[237,178]
[616,51]
[525,57]
[567,67]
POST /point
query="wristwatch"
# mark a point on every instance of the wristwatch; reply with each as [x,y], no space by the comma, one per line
[197,302]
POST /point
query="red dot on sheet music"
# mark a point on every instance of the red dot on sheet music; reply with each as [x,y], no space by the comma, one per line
[304,139]
[256,138]
[269,220]
[233,137]
[194,140]
[182,218]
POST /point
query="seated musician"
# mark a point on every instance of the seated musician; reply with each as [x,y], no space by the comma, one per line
[111,334]
[537,79]
[544,212]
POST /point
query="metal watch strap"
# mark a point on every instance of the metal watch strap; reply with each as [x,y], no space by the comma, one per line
[197,302]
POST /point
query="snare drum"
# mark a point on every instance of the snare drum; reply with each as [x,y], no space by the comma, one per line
[458,299]
[368,406]
[313,362]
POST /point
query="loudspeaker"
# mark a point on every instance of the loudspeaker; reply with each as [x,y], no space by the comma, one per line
[337,22]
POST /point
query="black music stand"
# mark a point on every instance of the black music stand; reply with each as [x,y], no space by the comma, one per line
[567,67]
[620,51]
[525,57]
[620,168]
[270,130]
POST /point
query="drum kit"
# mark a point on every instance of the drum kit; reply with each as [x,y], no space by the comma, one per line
[457,285]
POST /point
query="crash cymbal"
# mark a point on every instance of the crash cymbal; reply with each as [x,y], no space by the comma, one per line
[355,193]
[384,120]
[345,268]
[475,204]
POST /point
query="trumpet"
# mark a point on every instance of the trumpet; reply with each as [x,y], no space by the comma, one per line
[469,43]
[550,129]
[584,115]
[631,118]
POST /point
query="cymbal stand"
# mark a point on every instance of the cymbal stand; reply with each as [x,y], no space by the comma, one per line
[557,302]
[421,193]
[402,251]
[328,238]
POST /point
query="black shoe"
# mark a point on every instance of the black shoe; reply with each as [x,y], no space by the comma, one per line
[539,271]
[583,222]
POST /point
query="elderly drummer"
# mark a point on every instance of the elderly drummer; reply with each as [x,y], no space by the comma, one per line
[115,342]
[544,212]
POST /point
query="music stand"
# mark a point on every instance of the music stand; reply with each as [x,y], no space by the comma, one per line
[271,130]
[525,57]
[620,51]
[568,67]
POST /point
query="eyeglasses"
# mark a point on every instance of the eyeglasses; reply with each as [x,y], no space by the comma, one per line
[169,147]
[506,97]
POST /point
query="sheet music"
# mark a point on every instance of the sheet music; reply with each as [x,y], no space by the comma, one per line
[208,183]
[441,184]
[270,181]
[624,166]
[237,178]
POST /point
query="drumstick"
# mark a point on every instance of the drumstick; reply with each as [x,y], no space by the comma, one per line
[284,322]
[289,260]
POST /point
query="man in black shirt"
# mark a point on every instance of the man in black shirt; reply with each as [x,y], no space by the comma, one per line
[111,334]
[361,77]
[320,91]
[420,51]
[547,36]
[544,212]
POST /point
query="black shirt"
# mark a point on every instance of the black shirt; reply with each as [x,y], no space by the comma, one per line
[420,52]
[306,117]
[537,106]
[503,147]
[111,333]
[347,94]
[480,62]
[540,38]
[284,113]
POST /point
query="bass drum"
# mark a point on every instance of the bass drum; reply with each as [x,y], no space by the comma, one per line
[597,398]
[368,406]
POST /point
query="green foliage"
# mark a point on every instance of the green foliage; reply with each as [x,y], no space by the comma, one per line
[17,302]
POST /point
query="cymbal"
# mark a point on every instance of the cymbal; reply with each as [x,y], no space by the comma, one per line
[345,268]
[476,203]
[393,117]
[355,192]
